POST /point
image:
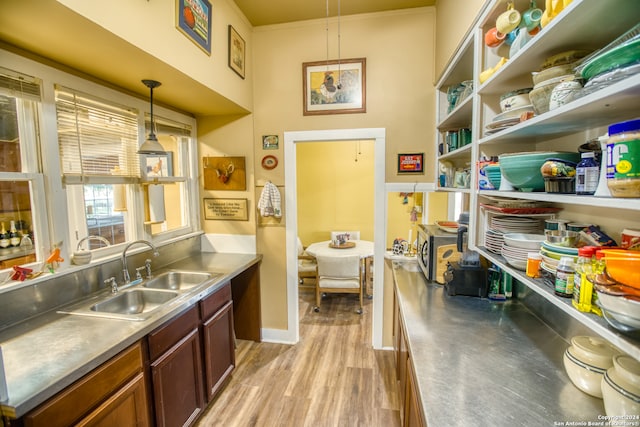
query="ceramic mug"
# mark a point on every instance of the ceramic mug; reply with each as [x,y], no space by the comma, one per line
[493,38]
[630,239]
[555,224]
[521,39]
[575,226]
[509,20]
[531,17]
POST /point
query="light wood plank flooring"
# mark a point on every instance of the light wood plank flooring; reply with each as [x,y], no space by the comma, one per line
[332,377]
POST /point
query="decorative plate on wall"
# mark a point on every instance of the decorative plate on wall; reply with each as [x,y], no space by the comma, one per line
[269,162]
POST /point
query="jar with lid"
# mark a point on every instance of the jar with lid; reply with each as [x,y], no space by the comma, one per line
[623,159]
[533,264]
[564,277]
[587,174]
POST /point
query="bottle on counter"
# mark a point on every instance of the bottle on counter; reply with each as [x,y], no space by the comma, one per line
[564,277]
[4,237]
[582,286]
[587,174]
[14,237]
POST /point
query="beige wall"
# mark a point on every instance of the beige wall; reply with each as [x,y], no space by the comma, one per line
[399,48]
[453,19]
[334,191]
[135,21]
[399,216]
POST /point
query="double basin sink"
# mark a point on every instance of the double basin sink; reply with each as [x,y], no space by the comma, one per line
[148,295]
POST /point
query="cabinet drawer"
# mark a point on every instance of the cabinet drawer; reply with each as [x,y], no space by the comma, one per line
[80,398]
[215,301]
[171,332]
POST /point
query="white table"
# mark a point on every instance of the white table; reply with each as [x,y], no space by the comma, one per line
[363,248]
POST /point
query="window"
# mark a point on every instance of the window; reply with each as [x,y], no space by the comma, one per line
[20,179]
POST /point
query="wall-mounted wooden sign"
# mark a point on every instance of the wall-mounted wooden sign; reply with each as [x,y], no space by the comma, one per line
[224,173]
[226,209]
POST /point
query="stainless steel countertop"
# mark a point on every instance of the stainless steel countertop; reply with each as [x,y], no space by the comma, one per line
[485,363]
[50,352]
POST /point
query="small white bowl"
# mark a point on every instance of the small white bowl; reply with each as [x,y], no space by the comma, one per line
[524,241]
[594,351]
[620,305]
[621,387]
[81,257]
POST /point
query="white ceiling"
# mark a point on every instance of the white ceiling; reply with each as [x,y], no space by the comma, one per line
[261,12]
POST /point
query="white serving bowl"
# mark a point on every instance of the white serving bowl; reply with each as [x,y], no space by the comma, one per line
[524,241]
[620,304]
[586,361]
[621,387]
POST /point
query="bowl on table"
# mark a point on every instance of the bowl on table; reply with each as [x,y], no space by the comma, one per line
[522,170]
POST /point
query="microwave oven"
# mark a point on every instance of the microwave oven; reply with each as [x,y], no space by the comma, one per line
[430,238]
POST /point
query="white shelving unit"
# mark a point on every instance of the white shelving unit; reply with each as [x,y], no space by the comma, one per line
[584,24]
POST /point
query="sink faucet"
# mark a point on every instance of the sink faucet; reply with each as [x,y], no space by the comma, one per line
[125,270]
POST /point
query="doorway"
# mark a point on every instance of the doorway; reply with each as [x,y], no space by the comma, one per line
[291,217]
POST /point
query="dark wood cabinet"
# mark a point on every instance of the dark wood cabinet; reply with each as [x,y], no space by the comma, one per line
[113,394]
[411,411]
[176,371]
[218,339]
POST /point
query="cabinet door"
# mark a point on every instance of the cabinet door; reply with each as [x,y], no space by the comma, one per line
[115,379]
[127,407]
[177,383]
[412,407]
[219,349]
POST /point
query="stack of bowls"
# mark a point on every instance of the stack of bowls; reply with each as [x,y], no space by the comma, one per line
[623,266]
[621,387]
[517,246]
[493,175]
[586,362]
[522,170]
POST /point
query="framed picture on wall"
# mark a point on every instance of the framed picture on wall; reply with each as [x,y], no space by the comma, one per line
[411,163]
[236,52]
[158,165]
[334,87]
[193,19]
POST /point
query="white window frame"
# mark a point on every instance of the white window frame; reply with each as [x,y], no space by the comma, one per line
[50,195]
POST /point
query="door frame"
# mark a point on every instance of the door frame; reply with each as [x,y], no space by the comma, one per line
[378,135]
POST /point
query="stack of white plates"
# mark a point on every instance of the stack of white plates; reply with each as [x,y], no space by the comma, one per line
[516,224]
[517,246]
[493,241]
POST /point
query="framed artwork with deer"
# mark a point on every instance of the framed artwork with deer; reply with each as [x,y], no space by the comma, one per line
[224,173]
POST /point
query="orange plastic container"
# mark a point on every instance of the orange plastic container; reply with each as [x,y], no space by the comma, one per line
[623,266]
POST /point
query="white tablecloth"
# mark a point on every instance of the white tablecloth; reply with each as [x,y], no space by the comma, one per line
[363,248]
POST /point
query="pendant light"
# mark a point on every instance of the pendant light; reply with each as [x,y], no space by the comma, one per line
[151,145]
[339,83]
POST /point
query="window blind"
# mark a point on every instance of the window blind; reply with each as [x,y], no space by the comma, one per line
[18,85]
[164,126]
[98,140]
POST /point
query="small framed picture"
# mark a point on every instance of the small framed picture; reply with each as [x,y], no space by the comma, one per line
[269,142]
[411,163]
[334,87]
[159,165]
[236,52]
[226,209]
[193,19]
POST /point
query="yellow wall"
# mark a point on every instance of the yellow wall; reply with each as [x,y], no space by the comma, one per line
[438,207]
[453,20]
[399,48]
[399,216]
[335,192]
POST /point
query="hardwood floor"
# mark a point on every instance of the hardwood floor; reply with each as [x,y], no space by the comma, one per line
[332,377]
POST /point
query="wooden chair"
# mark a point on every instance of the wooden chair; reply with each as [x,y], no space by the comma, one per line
[341,274]
[306,265]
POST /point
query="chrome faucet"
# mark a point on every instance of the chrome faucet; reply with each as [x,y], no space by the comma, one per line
[125,270]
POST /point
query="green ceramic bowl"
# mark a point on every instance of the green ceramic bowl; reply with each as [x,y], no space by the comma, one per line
[522,170]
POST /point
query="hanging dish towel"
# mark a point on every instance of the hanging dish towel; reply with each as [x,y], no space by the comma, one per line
[269,203]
